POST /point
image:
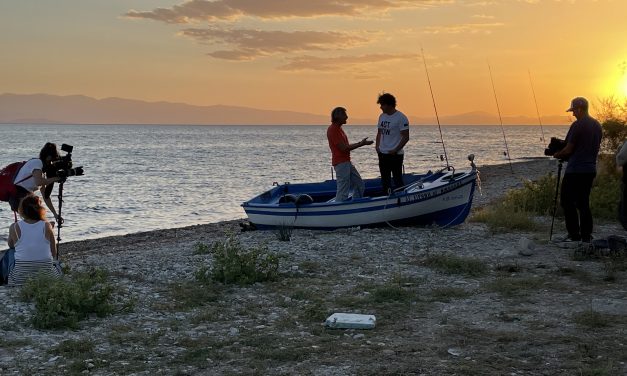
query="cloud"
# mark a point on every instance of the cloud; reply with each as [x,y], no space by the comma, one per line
[463,28]
[229,10]
[483,16]
[341,63]
[249,44]
[480,3]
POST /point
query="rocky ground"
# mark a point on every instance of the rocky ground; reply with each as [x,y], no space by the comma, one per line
[458,301]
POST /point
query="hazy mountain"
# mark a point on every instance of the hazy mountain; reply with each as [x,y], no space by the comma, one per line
[79,109]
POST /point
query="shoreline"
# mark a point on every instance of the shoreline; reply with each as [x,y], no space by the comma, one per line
[495,181]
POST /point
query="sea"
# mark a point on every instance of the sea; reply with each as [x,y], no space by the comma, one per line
[150,177]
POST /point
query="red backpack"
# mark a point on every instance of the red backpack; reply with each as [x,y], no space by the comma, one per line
[7,176]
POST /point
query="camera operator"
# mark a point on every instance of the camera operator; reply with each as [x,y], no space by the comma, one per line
[32,176]
[582,148]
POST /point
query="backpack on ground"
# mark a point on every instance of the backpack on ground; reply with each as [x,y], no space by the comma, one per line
[7,178]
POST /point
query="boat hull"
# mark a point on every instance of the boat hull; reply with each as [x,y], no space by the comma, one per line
[444,202]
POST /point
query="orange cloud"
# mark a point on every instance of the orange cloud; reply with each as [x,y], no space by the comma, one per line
[204,10]
[463,28]
[250,44]
[341,63]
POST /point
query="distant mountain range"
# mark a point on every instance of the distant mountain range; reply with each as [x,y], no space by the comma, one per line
[79,109]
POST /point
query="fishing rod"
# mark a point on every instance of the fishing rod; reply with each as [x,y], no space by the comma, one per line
[537,111]
[448,167]
[501,120]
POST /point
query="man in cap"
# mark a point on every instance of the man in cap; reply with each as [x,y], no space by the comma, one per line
[582,148]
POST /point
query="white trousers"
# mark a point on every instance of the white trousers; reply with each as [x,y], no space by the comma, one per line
[348,179]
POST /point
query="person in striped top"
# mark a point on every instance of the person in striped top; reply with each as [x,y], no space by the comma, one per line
[34,243]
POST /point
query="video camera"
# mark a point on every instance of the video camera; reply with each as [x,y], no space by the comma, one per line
[554,146]
[62,167]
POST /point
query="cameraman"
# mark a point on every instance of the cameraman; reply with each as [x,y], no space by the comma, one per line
[582,148]
[32,176]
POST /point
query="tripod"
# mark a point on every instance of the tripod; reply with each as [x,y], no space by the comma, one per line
[557,188]
[60,219]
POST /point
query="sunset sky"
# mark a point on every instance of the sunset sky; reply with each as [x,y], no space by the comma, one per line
[313,55]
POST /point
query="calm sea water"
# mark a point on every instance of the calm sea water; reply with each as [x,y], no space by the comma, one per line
[140,178]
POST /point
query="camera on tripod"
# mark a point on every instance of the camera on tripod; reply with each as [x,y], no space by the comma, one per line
[62,167]
[554,146]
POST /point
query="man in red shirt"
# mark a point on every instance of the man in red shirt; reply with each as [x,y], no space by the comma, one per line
[347,176]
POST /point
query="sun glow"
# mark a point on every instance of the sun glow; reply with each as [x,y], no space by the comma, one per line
[623,86]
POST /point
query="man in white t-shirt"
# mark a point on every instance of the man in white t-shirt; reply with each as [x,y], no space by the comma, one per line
[392,135]
[32,177]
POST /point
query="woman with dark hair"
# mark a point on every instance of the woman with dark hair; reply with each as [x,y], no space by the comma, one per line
[32,176]
[34,243]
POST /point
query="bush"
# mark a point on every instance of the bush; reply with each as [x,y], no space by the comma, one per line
[284,232]
[605,196]
[62,303]
[614,134]
[201,249]
[234,264]
[613,117]
[515,210]
[503,217]
[535,197]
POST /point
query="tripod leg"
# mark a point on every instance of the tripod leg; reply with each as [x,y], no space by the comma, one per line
[60,224]
[557,187]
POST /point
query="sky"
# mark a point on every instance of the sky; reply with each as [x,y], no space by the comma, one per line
[313,55]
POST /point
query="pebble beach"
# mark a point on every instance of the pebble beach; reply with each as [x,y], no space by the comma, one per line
[450,324]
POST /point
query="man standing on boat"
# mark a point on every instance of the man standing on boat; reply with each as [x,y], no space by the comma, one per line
[582,148]
[347,175]
[392,135]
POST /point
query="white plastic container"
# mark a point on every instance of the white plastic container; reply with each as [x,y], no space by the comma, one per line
[351,321]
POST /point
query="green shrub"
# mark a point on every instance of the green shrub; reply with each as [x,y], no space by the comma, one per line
[538,197]
[62,303]
[502,217]
[201,249]
[535,197]
[614,134]
[605,196]
[284,232]
[234,264]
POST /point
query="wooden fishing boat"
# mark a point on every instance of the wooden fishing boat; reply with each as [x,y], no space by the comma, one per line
[441,198]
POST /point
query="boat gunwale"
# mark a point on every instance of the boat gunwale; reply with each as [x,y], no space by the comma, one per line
[363,204]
